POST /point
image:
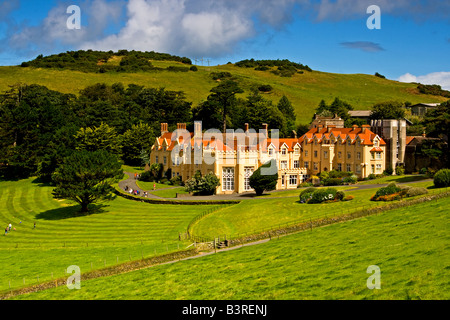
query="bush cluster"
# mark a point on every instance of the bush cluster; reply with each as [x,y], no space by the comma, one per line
[97,61]
[285,68]
[396,192]
[442,178]
[314,195]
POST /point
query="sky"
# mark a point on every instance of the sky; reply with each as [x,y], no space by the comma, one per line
[411,41]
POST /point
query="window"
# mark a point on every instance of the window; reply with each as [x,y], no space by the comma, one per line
[228,179]
[307,164]
[315,153]
[378,167]
[359,143]
[283,151]
[358,168]
[156,159]
[283,180]
[349,167]
[375,143]
[316,167]
[373,168]
[293,179]
[165,160]
[358,155]
[349,142]
[349,155]
[283,165]
[372,156]
[296,164]
[339,167]
[306,153]
[325,154]
[378,155]
[339,154]
[297,151]
[248,171]
[270,151]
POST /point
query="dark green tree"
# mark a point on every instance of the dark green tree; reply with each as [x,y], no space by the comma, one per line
[286,108]
[388,110]
[87,177]
[262,181]
[437,121]
[135,140]
[225,95]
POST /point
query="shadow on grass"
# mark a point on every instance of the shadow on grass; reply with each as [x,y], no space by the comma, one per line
[408,179]
[70,212]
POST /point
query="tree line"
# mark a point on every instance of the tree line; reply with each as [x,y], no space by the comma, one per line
[40,127]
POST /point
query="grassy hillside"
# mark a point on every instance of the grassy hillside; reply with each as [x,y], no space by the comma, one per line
[120,230]
[252,216]
[304,90]
[409,245]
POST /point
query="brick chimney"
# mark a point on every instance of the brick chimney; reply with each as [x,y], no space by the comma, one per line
[265,128]
[164,128]
[181,126]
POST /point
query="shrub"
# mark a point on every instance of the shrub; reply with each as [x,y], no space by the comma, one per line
[423,171]
[333,182]
[147,176]
[175,181]
[306,194]
[199,185]
[305,185]
[340,195]
[388,171]
[399,170]
[442,178]
[264,182]
[350,180]
[416,191]
[387,193]
[348,198]
[372,176]
[322,195]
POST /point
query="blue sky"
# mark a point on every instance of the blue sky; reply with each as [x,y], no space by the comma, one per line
[413,43]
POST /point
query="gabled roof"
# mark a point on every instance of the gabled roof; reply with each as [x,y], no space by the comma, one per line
[366,136]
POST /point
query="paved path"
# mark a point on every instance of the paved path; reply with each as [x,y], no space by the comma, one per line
[131,183]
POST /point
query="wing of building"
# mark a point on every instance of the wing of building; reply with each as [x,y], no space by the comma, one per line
[233,157]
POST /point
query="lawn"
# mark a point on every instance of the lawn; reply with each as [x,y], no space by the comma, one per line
[118,231]
[279,208]
[170,193]
[409,245]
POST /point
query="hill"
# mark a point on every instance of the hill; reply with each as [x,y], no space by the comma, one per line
[304,89]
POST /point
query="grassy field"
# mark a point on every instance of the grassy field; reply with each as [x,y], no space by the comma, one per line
[118,231]
[409,245]
[279,208]
[305,91]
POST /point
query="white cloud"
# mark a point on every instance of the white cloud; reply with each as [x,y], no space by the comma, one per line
[171,26]
[440,78]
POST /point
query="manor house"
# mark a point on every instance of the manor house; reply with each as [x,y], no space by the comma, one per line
[234,156]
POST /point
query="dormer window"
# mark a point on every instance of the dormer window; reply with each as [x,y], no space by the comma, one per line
[270,151]
[349,142]
[283,151]
[376,143]
[296,151]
